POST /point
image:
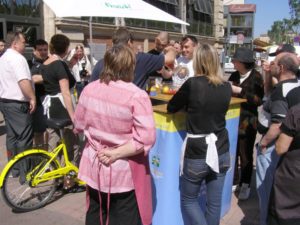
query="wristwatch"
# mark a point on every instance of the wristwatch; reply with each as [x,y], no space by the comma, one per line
[261,146]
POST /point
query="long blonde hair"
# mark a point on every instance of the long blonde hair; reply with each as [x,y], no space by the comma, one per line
[206,62]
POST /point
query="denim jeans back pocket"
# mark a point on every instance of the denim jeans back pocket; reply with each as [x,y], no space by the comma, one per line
[194,169]
[224,162]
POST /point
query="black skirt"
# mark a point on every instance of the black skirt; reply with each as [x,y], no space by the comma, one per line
[57,110]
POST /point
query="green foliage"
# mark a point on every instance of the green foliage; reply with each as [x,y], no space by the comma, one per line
[295,8]
[284,30]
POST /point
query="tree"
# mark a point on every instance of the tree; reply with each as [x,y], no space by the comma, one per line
[283,30]
[295,8]
[295,14]
[276,33]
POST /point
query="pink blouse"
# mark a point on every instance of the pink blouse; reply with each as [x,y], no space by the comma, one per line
[111,115]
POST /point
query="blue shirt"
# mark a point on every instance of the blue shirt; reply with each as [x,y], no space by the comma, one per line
[145,64]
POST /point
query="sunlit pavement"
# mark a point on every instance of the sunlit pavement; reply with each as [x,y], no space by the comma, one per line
[69,209]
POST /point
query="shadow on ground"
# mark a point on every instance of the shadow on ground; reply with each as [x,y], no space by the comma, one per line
[250,207]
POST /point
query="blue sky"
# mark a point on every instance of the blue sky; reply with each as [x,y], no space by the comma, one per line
[268,11]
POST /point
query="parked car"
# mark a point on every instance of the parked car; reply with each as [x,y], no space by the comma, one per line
[228,66]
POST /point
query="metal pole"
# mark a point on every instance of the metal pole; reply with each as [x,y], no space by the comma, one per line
[91,42]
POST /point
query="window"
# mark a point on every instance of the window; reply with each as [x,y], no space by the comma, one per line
[29,30]
[246,31]
[174,2]
[200,17]
[26,8]
[241,20]
[5,6]
[169,6]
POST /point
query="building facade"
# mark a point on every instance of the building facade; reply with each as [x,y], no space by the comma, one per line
[37,20]
[239,26]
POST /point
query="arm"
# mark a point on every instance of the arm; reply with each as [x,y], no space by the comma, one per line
[80,114]
[28,91]
[180,99]
[289,129]
[170,55]
[37,79]
[253,91]
[236,89]
[143,132]
[270,136]
[166,73]
[283,143]
[124,151]
[88,66]
[64,88]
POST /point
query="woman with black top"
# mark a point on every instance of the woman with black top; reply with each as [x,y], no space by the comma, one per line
[247,83]
[58,103]
[205,152]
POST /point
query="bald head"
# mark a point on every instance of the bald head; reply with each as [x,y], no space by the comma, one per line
[289,61]
[161,41]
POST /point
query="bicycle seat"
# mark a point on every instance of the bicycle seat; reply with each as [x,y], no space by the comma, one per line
[58,123]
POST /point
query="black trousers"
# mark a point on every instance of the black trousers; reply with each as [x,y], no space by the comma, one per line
[18,121]
[245,147]
[123,208]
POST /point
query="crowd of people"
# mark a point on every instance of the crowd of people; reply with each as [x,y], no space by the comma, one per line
[120,131]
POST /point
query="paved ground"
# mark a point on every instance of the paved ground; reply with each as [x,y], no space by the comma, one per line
[70,209]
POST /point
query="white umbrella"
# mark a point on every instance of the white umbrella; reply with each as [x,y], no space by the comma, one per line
[136,9]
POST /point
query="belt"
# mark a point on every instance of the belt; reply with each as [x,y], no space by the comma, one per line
[5,100]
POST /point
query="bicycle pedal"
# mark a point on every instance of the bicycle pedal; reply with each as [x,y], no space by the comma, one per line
[68,183]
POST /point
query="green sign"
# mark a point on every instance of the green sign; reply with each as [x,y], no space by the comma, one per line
[124,6]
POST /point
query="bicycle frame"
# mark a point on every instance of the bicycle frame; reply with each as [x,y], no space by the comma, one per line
[42,175]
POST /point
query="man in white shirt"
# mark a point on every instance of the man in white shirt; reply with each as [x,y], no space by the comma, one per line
[184,67]
[17,97]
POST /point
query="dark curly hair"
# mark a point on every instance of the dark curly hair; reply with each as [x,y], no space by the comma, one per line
[59,44]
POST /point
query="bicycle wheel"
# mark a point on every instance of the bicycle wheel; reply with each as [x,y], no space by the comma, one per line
[17,189]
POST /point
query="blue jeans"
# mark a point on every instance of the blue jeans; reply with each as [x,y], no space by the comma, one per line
[194,172]
[265,169]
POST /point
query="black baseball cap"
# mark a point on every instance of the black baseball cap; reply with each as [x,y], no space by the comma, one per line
[284,48]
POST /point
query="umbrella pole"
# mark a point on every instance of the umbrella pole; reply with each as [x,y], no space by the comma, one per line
[91,42]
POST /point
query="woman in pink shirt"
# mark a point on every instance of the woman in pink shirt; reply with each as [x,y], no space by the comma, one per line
[117,120]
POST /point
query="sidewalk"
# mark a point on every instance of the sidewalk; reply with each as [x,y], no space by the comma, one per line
[70,209]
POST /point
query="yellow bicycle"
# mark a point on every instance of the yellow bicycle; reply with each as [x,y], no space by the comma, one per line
[30,179]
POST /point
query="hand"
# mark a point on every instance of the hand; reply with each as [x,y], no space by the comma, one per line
[169,48]
[236,89]
[32,105]
[103,159]
[108,157]
[262,147]
[265,66]
[73,60]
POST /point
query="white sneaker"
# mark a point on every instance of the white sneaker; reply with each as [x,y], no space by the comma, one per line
[235,188]
[244,192]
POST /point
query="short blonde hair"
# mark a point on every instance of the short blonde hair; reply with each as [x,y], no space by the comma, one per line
[119,64]
[206,62]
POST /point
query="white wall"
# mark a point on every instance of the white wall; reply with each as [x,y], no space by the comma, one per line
[230,2]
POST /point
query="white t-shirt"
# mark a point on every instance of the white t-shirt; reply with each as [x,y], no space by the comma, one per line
[183,61]
[13,68]
[243,77]
[183,70]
